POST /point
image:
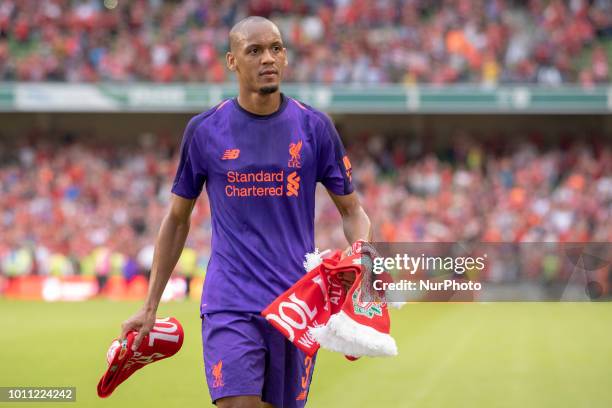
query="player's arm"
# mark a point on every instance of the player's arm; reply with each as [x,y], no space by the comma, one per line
[355,222]
[168,247]
[334,171]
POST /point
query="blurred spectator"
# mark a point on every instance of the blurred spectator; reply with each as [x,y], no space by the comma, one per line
[329,41]
[92,209]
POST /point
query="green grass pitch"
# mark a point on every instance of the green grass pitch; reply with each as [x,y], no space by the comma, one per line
[451,355]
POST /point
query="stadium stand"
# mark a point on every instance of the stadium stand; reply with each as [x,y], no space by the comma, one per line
[331,42]
[91,209]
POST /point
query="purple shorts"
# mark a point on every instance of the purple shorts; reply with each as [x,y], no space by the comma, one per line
[245,355]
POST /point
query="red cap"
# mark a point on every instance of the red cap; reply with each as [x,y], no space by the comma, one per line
[163,341]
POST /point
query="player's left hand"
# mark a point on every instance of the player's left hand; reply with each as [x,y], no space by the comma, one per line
[347,278]
[362,247]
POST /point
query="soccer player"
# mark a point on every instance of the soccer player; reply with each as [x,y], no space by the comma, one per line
[260,156]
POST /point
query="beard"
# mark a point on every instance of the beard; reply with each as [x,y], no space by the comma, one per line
[268,89]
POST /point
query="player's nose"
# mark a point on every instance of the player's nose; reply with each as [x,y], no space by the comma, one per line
[267,57]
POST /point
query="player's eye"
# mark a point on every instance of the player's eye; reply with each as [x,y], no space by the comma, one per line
[276,48]
[253,51]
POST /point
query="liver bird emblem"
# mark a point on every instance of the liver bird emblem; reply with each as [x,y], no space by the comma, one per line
[294,152]
[218,374]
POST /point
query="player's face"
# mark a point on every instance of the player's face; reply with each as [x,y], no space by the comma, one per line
[259,59]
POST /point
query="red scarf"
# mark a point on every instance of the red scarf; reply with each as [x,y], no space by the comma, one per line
[309,303]
[318,311]
[164,340]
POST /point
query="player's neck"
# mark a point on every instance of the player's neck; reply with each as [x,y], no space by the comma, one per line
[260,104]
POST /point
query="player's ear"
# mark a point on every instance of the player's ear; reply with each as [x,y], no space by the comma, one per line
[230,61]
[286,59]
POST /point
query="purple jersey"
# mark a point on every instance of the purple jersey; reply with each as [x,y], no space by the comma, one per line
[260,174]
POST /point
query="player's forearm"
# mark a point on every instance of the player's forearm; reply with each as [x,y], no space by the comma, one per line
[356,225]
[168,248]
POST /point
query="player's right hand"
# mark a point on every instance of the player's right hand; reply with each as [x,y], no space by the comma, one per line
[142,322]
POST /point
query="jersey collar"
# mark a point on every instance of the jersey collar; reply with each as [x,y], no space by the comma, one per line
[281,108]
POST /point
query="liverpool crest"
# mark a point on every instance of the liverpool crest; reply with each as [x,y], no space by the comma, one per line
[295,159]
[368,309]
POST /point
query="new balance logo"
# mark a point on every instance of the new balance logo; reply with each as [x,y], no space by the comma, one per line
[293,184]
[230,154]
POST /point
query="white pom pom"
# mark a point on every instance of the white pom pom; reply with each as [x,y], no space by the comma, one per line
[313,259]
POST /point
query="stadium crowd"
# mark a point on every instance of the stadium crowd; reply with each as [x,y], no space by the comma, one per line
[91,209]
[329,41]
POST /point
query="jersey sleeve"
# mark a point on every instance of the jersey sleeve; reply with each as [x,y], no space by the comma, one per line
[333,165]
[190,174]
